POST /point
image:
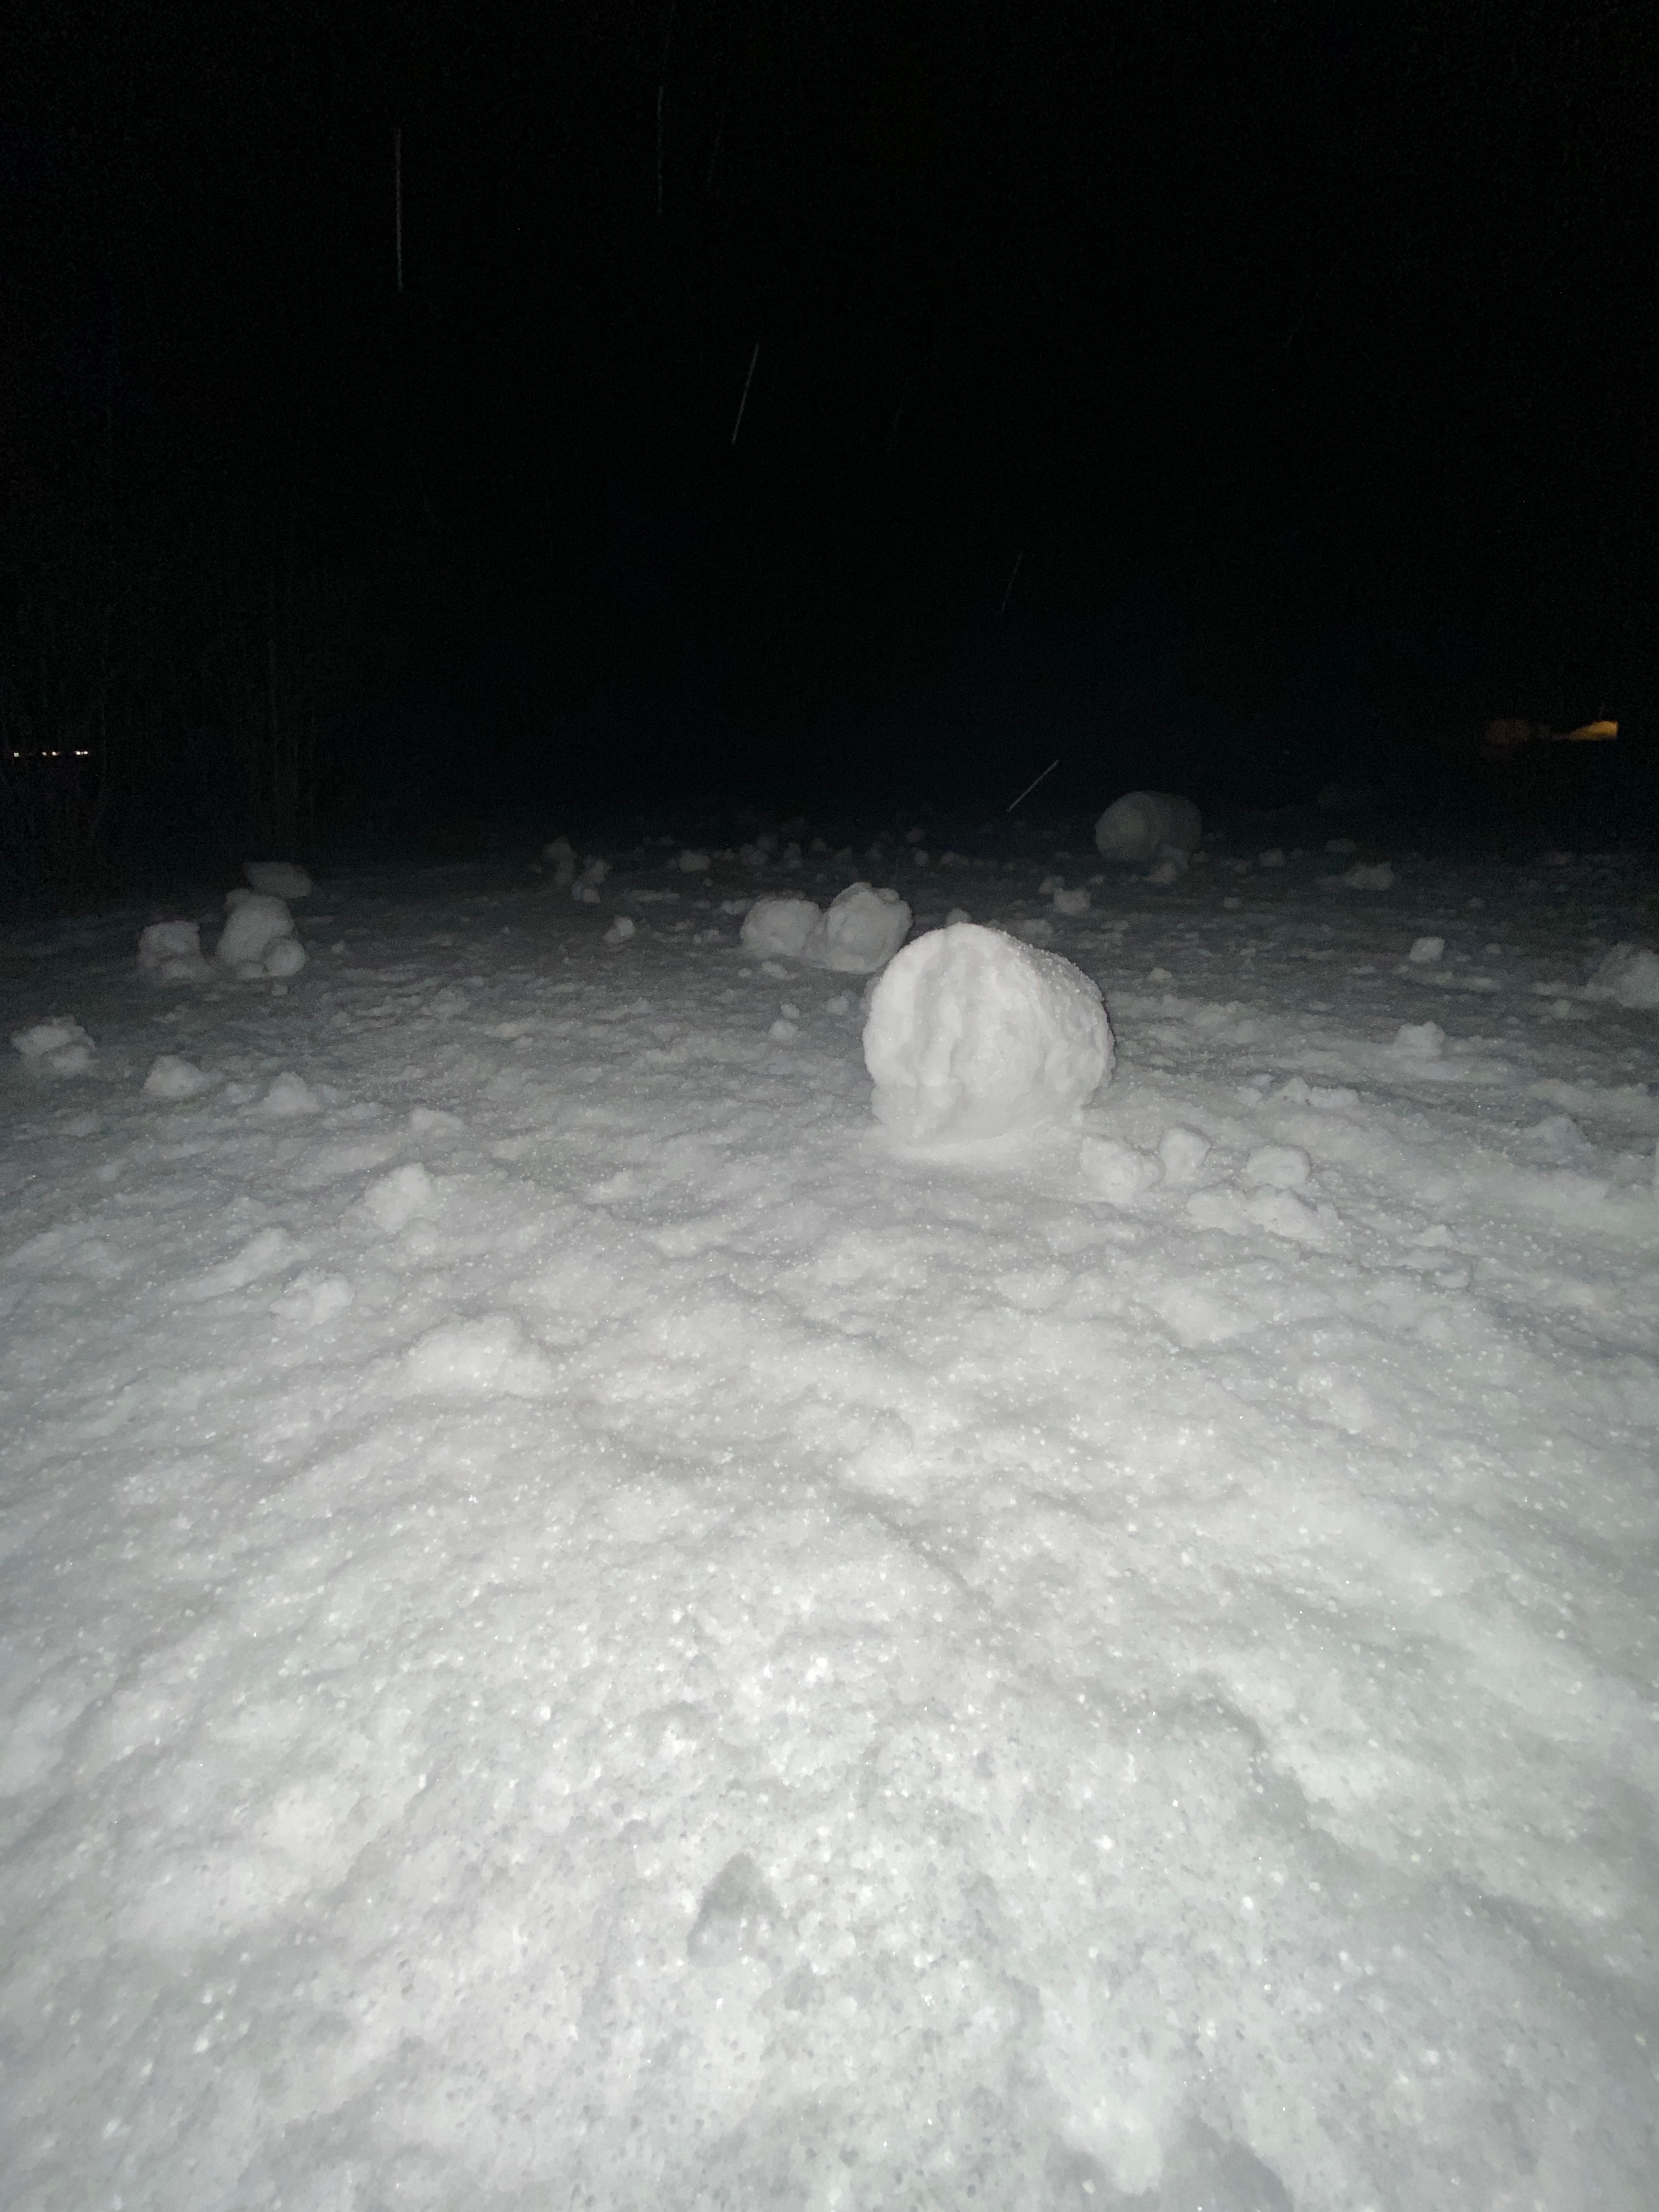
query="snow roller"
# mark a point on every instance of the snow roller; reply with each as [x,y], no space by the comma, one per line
[1148,825]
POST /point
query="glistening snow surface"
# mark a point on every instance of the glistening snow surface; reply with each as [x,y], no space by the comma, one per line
[578,1630]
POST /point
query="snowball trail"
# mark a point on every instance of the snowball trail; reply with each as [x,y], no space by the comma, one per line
[575,1626]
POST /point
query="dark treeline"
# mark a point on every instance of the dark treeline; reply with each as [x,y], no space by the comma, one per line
[1243,397]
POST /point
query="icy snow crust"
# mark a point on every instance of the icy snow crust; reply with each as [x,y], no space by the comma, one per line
[576,1628]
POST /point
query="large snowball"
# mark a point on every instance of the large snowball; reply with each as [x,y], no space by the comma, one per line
[258,937]
[862,932]
[780,925]
[972,1035]
[1143,825]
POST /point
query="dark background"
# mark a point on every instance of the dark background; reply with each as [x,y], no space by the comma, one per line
[1231,398]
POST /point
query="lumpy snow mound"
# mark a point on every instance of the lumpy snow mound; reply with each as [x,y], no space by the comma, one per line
[170,1077]
[972,1036]
[1630,974]
[282,879]
[860,932]
[775,926]
[171,952]
[59,1046]
[1145,825]
[258,937]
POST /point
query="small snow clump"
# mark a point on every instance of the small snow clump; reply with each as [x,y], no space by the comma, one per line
[258,939]
[1419,1040]
[861,931]
[1630,974]
[171,952]
[1147,825]
[1282,1167]
[170,1077]
[1183,1153]
[57,1047]
[289,1096]
[1116,1170]
[780,925]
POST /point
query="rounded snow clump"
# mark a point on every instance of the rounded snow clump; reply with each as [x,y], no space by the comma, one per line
[862,932]
[170,1077]
[171,952]
[258,939]
[59,1046]
[972,1035]
[774,925]
[1145,825]
[1630,974]
[288,1095]
[282,879]
[287,956]
[1116,1170]
[1419,1040]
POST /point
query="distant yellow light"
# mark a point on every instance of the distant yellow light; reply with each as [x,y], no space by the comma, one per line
[1592,733]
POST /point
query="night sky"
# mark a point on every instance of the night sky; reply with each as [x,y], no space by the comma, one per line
[1232,397]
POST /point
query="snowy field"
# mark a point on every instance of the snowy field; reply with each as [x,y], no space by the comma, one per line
[580,1630]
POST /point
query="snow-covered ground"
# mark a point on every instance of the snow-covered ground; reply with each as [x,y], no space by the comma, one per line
[578,1630]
